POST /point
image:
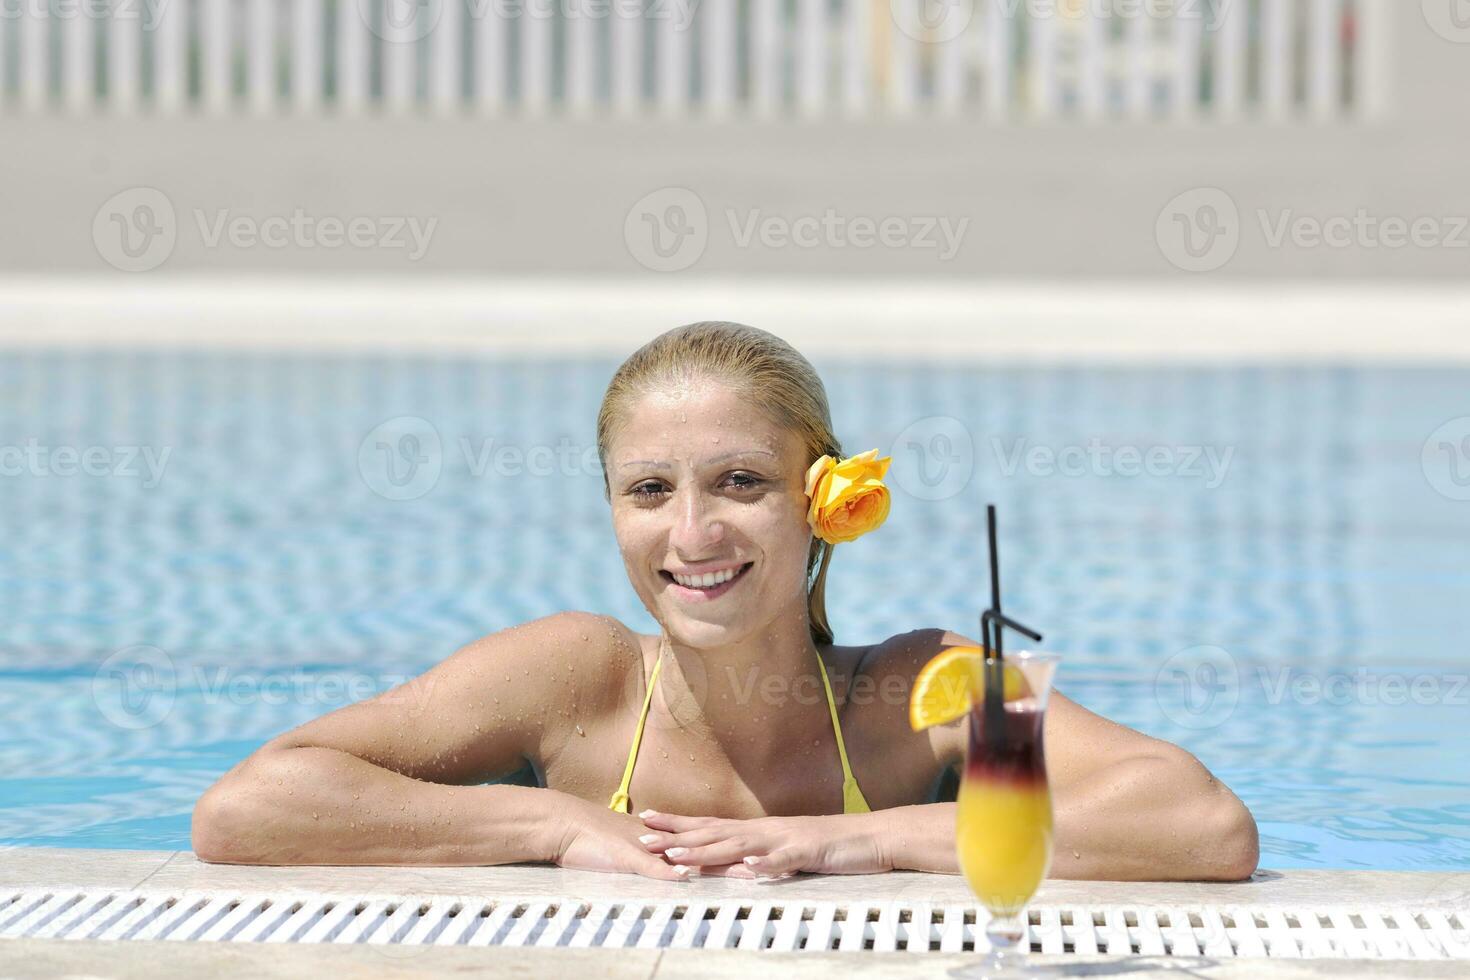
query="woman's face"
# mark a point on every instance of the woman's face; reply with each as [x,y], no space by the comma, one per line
[702,481]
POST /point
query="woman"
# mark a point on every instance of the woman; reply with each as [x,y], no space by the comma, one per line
[761,748]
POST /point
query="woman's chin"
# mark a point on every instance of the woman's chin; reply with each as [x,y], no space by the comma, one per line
[695,630]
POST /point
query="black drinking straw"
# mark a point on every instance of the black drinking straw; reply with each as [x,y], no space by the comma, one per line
[992,624]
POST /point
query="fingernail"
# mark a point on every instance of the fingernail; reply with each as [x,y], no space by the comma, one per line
[648,838]
[648,813]
[681,869]
[752,860]
[674,852]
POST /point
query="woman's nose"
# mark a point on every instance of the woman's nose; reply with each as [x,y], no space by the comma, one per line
[697,527]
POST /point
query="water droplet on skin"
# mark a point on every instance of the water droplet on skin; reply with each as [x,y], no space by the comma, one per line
[691,756]
[314,816]
[580,732]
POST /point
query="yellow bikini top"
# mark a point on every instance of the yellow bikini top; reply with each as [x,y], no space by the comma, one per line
[852,797]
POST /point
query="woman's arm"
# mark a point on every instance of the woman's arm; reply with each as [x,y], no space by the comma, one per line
[313,805]
[1128,807]
[391,780]
[1139,818]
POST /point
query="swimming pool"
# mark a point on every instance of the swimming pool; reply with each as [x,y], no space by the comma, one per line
[1263,564]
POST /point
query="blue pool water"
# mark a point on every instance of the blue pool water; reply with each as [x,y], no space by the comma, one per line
[1290,608]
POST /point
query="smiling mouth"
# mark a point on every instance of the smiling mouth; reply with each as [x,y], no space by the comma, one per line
[704,592]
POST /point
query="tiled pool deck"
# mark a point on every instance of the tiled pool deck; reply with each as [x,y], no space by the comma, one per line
[176,872]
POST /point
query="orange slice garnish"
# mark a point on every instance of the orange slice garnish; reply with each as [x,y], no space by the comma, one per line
[954,680]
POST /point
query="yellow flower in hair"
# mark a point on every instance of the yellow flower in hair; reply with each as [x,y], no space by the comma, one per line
[848,498]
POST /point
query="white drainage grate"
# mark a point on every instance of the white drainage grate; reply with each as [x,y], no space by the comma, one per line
[1356,932]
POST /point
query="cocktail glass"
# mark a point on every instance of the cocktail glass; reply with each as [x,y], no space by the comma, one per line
[1003,831]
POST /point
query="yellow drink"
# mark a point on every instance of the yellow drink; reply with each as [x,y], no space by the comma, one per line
[1004,835]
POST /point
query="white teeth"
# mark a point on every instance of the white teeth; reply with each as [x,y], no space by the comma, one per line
[706,581]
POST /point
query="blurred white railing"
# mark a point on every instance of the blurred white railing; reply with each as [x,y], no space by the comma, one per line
[998,59]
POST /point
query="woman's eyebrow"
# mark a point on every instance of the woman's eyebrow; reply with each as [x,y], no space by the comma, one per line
[659,464]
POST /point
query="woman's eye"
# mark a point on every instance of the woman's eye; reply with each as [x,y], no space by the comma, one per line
[652,489]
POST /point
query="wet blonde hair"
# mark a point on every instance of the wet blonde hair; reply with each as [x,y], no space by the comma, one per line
[755,363]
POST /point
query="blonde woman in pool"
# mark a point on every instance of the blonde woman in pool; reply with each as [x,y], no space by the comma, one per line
[740,740]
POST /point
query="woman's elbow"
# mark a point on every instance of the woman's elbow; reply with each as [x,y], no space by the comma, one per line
[1237,841]
[1227,844]
[214,831]
[227,819]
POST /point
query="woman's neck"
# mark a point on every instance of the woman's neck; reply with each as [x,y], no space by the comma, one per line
[758,693]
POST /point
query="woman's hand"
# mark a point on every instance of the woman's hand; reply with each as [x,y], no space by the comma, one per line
[770,846]
[595,838]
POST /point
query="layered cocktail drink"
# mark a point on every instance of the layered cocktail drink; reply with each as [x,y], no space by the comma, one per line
[1003,830]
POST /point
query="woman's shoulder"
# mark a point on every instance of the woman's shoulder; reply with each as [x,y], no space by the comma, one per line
[574,649]
[887,673]
[905,654]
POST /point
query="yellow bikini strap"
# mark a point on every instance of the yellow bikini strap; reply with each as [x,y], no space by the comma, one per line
[852,797]
[620,801]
